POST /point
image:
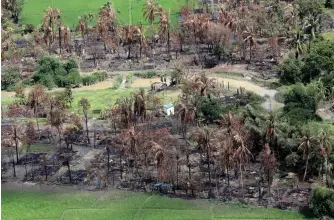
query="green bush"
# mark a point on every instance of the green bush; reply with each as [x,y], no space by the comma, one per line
[117,82]
[209,108]
[301,101]
[89,80]
[322,202]
[291,70]
[9,79]
[146,75]
[51,72]
[100,76]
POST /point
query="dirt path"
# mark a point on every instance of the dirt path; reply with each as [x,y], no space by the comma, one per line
[269,94]
[234,82]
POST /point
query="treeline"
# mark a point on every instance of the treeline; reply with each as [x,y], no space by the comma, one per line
[51,72]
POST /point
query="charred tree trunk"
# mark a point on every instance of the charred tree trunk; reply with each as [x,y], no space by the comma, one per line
[129,50]
[14,171]
[69,171]
[36,117]
[87,132]
[108,159]
[168,43]
[59,34]
[306,165]
[209,171]
[120,166]
[59,133]
[46,173]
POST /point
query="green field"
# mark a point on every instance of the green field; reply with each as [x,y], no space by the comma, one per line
[34,9]
[123,205]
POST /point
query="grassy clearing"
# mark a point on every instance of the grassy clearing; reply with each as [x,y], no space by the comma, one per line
[117,204]
[328,35]
[100,99]
[330,12]
[71,10]
[233,74]
[38,148]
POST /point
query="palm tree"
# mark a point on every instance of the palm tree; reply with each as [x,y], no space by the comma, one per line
[140,104]
[150,13]
[226,154]
[164,27]
[306,146]
[125,107]
[268,162]
[51,18]
[252,44]
[241,152]
[206,138]
[300,45]
[67,163]
[324,149]
[206,84]
[142,39]
[186,115]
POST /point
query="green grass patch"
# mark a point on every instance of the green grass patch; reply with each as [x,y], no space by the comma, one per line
[328,35]
[37,148]
[33,10]
[118,82]
[224,73]
[99,99]
[146,75]
[116,204]
[330,12]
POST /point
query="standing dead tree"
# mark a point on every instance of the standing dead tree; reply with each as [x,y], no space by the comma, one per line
[85,106]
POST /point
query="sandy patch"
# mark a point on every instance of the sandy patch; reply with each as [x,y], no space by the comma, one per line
[140,82]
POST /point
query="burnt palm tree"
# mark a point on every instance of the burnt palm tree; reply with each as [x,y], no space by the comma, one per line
[206,138]
[252,44]
[269,164]
[306,147]
[164,27]
[226,153]
[241,153]
[67,163]
[125,109]
[149,13]
[50,19]
[299,43]
[206,84]
[325,147]
[140,104]
[186,115]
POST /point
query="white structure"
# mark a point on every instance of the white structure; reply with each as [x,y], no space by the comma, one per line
[169,109]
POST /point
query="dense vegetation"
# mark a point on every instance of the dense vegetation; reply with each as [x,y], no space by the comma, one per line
[214,130]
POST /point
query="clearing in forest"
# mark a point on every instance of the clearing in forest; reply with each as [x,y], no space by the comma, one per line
[124,205]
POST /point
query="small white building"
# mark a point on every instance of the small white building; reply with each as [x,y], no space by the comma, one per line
[169,109]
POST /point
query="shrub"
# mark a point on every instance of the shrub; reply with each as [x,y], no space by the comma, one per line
[146,75]
[117,82]
[89,80]
[210,108]
[9,79]
[254,98]
[100,76]
[51,72]
[28,28]
[69,65]
[291,70]
[301,101]
[74,78]
[322,202]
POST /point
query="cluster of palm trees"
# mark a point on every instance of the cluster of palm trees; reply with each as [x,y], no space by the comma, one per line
[243,23]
